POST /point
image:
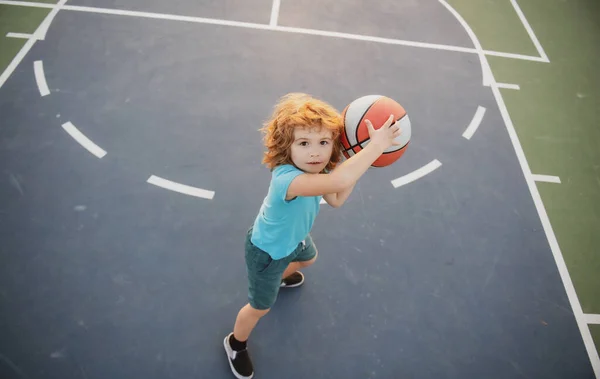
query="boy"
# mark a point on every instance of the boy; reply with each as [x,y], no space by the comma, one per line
[303,152]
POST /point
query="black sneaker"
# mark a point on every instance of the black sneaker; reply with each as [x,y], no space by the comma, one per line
[240,362]
[294,280]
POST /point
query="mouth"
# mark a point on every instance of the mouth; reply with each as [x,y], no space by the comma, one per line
[314,163]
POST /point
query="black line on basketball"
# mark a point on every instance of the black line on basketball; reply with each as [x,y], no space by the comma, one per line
[361,119]
[361,142]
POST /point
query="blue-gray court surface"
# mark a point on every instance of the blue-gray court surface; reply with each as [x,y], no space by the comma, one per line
[130,142]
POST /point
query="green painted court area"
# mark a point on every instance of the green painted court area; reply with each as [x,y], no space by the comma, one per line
[556,111]
[556,115]
[14,19]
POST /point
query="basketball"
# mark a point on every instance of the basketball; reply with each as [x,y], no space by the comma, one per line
[377,109]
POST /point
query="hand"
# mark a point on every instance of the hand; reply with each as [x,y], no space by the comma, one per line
[386,135]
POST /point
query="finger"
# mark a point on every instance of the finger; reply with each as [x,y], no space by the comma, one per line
[369,126]
[390,121]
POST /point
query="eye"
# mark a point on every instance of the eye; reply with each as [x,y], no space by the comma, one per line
[303,143]
[324,142]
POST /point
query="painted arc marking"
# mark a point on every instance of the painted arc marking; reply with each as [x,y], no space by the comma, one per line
[42,29]
[181,188]
[83,140]
[591,318]
[19,35]
[417,174]
[508,86]
[275,12]
[546,178]
[475,122]
[40,78]
[486,71]
[559,259]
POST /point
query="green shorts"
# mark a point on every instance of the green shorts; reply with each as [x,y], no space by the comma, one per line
[264,273]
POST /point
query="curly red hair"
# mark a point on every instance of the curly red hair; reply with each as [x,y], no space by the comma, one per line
[299,110]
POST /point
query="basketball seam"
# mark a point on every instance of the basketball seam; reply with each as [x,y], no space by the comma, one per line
[368,138]
[361,120]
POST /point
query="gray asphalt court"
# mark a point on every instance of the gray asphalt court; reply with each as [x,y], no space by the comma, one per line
[107,275]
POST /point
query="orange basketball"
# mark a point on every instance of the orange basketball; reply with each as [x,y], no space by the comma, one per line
[377,109]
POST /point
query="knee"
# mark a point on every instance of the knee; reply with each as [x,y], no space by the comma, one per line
[311,261]
[255,312]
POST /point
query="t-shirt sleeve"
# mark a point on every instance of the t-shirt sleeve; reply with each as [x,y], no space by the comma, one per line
[282,177]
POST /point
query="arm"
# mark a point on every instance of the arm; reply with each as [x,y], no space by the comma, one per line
[348,173]
[336,200]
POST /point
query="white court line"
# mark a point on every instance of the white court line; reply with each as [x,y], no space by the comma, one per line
[534,39]
[16,60]
[592,318]
[508,86]
[83,140]
[486,70]
[554,247]
[516,56]
[19,35]
[251,25]
[546,178]
[275,12]
[40,78]
[419,173]
[41,31]
[475,122]
[539,205]
[181,188]
[28,4]
[28,45]
[202,20]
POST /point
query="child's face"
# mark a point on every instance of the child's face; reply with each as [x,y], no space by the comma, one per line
[311,149]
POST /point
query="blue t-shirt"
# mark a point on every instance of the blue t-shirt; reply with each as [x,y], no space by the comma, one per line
[281,225]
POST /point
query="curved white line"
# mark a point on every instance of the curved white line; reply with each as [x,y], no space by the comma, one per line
[181,188]
[543,215]
[419,173]
[83,140]
[486,70]
[477,118]
[41,31]
[40,78]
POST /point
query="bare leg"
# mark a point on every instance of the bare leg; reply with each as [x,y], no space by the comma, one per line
[246,320]
[291,268]
[295,266]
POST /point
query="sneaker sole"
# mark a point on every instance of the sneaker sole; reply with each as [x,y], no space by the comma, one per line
[229,351]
